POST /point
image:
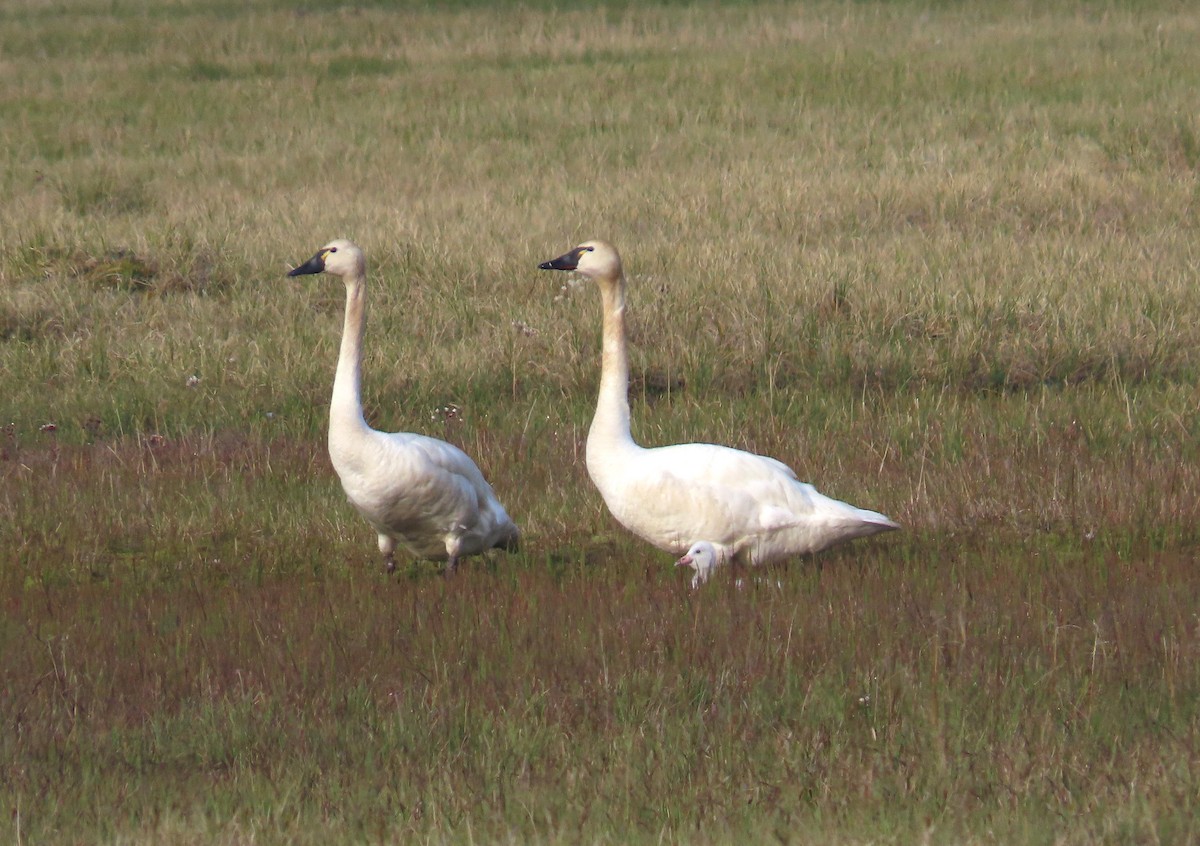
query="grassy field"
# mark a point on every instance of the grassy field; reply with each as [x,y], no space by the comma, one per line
[940,258]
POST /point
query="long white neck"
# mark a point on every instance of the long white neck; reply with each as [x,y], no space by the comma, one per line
[610,426]
[345,408]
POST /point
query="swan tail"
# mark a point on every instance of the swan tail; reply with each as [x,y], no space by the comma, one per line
[878,522]
[852,521]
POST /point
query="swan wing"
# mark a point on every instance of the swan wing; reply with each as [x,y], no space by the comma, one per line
[772,518]
[470,502]
[422,490]
[480,521]
[740,504]
[672,508]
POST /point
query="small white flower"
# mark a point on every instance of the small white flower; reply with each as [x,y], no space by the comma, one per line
[567,289]
[449,411]
[192,381]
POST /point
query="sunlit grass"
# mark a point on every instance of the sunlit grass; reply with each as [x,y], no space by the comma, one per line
[941,260]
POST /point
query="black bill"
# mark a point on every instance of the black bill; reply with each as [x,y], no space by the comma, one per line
[316,264]
[567,261]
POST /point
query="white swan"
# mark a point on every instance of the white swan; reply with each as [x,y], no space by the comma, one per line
[750,508]
[703,557]
[422,493]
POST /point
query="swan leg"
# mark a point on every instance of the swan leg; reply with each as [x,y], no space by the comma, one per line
[701,576]
[388,547]
[454,550]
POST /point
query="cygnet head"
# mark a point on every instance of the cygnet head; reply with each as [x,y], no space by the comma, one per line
[594,259]
[340,257]
[702,557]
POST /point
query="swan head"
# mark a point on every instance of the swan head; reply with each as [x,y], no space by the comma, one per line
[339,257]
[593,259]
[701,557]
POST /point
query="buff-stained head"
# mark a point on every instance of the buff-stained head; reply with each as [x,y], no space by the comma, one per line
[339,257]
[593,259]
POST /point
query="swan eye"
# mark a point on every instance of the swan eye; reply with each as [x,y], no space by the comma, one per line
[588,249]
[333,249]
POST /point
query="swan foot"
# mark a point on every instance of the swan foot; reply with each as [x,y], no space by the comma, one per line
[451,566]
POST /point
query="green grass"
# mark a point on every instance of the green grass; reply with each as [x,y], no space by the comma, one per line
[940,258]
